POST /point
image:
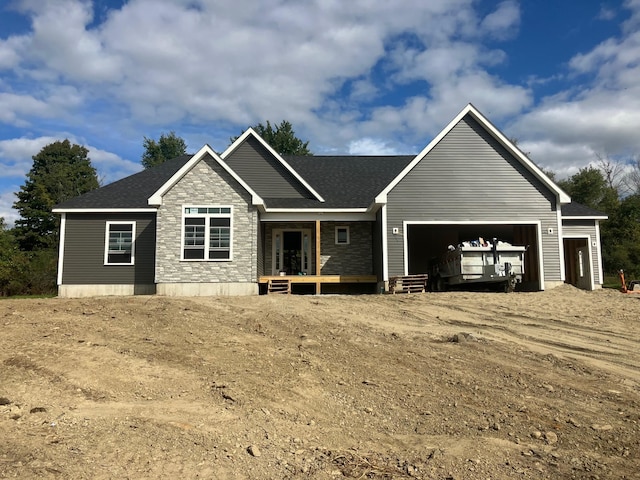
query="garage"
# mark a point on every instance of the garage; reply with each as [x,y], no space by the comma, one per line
[427,240]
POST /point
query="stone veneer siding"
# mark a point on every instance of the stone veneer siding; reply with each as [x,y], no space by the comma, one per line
[356,258]
[207,184]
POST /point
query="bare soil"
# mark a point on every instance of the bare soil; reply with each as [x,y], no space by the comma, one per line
[454,385]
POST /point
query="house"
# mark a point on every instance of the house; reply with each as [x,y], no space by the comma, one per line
[210,224]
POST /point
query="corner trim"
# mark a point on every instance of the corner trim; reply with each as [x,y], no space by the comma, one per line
[63,227]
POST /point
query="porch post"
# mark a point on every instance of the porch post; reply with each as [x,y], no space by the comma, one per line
[318,272]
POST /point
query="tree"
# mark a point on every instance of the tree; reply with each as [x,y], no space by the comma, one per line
[60,171]
[282,138]
[621,238]
[632,179]
[590,187]
[167,147]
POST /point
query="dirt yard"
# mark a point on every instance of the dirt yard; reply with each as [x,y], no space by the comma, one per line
[440,385]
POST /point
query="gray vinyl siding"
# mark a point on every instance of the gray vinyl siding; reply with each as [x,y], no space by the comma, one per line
[207,184]
[377,245]
[84,251]
[469,176]
[263,173]
[356,258]
[582,228]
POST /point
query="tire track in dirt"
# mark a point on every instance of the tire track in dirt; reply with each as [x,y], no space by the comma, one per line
[550,334]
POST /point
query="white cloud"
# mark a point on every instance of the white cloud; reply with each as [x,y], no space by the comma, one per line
[16,161]
[220,64]
[370,146]
[7,197]
[111,167]
[567,131]
[504,21]
[606,13]
[16,154]
[242,62]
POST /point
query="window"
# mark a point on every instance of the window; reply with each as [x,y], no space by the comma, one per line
[207,233]
[119,242]
[342,236]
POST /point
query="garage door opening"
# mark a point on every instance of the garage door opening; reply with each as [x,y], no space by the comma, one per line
[425,242]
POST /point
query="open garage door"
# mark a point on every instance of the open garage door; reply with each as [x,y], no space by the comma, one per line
[426,241]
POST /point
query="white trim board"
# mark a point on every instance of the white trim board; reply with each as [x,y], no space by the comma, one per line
[63,229]
[312,216]
[104,210]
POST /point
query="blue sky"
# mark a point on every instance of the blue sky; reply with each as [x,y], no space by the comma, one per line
[353,77]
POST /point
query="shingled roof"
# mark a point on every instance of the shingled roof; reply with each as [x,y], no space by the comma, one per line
[130,192]
[575,209]
[343,181]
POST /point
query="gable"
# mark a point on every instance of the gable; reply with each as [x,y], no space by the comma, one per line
[469,169]
[204,152]
[266,175]
[470,112]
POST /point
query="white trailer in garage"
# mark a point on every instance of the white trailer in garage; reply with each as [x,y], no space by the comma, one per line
[479,262]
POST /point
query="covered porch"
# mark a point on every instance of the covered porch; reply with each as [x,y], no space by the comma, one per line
[317,256]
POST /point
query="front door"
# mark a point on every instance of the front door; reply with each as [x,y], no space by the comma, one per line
[291,252]
[583,263]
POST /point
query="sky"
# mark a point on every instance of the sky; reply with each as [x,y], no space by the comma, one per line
[352,76]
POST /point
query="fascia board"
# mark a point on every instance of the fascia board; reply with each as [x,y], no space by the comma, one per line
[590,217]
[290,169]
[470,109]
[156,198]
[316,210]
[104,210]
[324,216]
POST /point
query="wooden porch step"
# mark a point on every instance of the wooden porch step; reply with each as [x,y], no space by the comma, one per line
[408,283]
[279,285]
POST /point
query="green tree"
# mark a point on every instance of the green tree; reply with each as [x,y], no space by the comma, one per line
[60,171]
[167,147]
[621,238]
[282,138]
[8,251]
[590,187]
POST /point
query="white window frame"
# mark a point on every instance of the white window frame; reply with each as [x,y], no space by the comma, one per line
[343,227]
[207,231]
[106,242]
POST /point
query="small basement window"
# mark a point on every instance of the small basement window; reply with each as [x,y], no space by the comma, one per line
[119,243]
[342,236]
[207,233]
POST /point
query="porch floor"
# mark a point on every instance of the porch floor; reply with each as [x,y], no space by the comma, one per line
[318,280]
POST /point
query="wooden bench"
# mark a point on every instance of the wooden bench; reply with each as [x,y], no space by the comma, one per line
[280,285]
[408,283]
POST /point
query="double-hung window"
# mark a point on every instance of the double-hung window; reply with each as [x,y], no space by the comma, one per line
[207,233]
[119,243]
